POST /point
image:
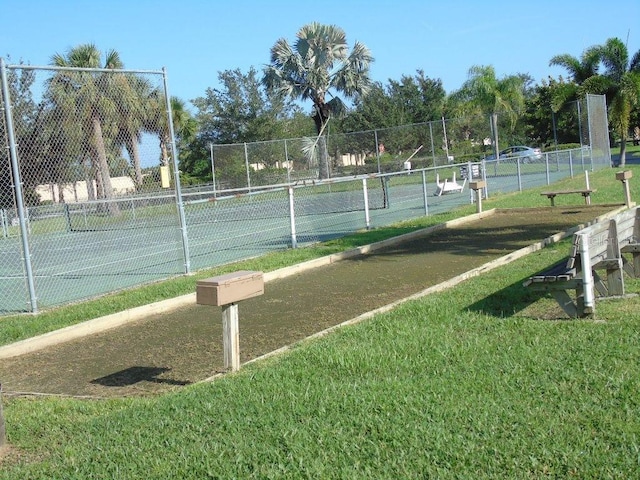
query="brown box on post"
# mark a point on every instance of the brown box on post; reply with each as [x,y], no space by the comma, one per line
[229,288]
[477,185]
[624,175]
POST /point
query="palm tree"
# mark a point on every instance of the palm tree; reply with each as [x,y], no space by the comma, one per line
[133,106]
[317,64]
[579,69]
[621,83]
[488,94]
[184,125]
[85,96]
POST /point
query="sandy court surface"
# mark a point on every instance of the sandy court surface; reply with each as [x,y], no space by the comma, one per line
[173,349]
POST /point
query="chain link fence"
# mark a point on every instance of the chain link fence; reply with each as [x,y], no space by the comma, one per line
[421,145]
[79,218]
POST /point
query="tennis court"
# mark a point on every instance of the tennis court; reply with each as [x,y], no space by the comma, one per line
[86,256]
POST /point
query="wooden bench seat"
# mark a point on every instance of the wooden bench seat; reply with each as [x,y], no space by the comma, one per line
[595,248]
[586,193]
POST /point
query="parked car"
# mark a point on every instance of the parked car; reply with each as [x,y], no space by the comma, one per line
[527,154]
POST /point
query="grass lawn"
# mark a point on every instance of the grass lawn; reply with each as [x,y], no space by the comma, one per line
[468,383]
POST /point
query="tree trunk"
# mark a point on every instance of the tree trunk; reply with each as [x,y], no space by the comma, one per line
[134,154]
[164,149]
[89,177]
[494,129]
[103,167]
[321,117]
[323,158]
[623,151]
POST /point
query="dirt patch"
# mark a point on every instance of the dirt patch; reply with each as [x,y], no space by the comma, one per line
[170,350]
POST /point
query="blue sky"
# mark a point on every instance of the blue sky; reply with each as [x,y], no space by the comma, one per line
[196,39]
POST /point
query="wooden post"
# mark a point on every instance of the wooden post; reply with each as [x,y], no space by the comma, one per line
[231,337]
[224,291]
[615,282]
[3,435]
[477,188]
[587,197]
[624,176]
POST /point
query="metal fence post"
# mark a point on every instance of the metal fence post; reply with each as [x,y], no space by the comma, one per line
[483,175]
[424,193]
[286,159]
[365,193]
[546,166]
[433,149]
[3,222]
[570,164]
[176,173]
[246,164]
[377,149]
[292,219]
[17,180]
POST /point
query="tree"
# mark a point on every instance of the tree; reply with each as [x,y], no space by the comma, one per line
[134,92]
[620,81]
[157,122]
[242,110]
[85,96]
[416,99]
[488,94]
[317,65]
[547,123]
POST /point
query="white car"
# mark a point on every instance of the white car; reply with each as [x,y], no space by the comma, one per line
[527,154]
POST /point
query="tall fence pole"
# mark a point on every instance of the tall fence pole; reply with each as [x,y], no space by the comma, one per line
[570,163]
[213,170]
[17,180]
[292,219]
[246,165]
[375,135]
[286,159]
[365,194]
[424,193]
[546,167]
[176,173]
[433,148]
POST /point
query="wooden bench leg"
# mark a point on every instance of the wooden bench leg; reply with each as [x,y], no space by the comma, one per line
[599,285]
[582,310]
[566,302]
[632,267]
[615,282]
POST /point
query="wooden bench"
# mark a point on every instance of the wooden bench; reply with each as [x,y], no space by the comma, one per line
[595,248]
[586,193]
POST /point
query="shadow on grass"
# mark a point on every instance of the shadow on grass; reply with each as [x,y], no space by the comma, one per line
[508,301]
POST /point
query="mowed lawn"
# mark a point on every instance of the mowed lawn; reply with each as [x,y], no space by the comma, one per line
[486,380]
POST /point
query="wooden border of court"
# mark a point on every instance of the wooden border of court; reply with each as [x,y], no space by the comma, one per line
[115,320]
